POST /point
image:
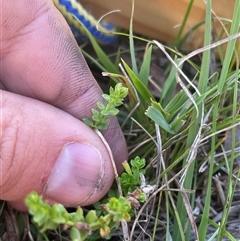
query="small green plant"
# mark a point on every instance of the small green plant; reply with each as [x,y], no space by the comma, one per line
[114,99]
[130,180]
[108,212]
[99,222]
[81,225]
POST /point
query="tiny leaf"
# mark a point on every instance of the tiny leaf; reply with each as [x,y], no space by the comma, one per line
[113,111]
[87,122]
[127,168]
[106,97]
[138,163]
[102,126]
[100,105]
[75,234]
[91,217]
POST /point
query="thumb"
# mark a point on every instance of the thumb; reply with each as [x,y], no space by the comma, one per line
[47,150]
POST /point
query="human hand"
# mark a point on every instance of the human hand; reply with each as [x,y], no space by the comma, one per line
[46,89]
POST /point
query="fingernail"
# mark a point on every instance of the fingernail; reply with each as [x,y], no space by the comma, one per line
[75,175]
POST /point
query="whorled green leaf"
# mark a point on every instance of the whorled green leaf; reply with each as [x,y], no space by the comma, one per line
[142,197]
[77,216]
[37,208]
[95,113]
[127,182]
[91,217]
[120,91]
[138,162]
[92,220]
[48,225]
[41,217]
[119,208]
[59,214]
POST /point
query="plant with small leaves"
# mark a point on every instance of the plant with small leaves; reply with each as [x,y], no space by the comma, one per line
[119,209]
[130,180]
[48,217]
[114,99]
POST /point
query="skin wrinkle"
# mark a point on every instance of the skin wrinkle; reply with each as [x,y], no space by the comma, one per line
[73,64]
[9,142]
[76,94]
[78,89]
[87,102]
[22,79]
[5,25]
[8,48]
[15,140]
[87,90]
[8,137]
[55,26]
[10,22]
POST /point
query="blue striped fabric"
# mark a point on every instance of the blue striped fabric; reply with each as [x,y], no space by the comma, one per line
[100,36]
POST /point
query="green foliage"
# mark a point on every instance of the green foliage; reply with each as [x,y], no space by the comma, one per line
[141,88]
[119,209]
[114,99]
[97,223]
[81,225]
[109,213]
[130,179]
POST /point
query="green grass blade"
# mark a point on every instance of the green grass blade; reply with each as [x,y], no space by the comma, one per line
[230,166]
[226,66]
[141,88]
[145,68]
[221,83]
[193,130]
[154,113]
[183,24]
[169,86]
[203,81]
